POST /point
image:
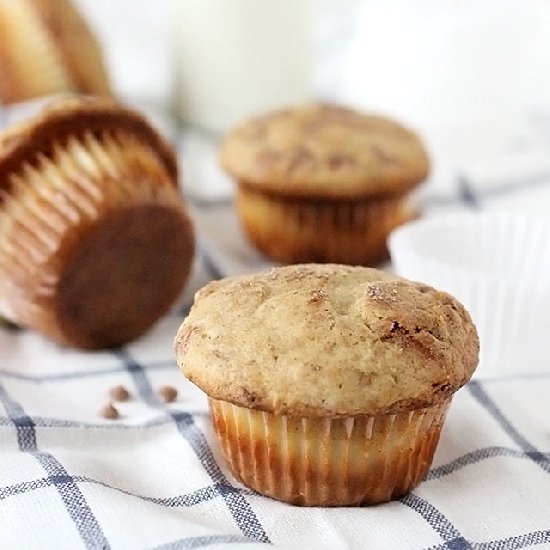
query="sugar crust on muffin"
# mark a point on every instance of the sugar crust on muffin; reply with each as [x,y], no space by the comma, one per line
[324,151]
[327,340]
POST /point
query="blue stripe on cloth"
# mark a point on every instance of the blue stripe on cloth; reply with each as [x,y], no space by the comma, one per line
[445,529]
[73,499]
[512,543]
[473,458]
[46,422]
[200,542]
[466,192]
[238,506]
[63,376]
[490,406]
[25,487]
[187,500]
[213,270]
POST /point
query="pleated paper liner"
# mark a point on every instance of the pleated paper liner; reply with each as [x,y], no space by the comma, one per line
[30,66]
[328,461]
[350,232]
[96,241]
[498,266]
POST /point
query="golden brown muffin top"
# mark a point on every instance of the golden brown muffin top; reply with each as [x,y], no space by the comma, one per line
[74,116]
[324,151]
[327,340]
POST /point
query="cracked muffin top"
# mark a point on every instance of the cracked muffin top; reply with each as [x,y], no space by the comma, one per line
[327,340]
[324,151]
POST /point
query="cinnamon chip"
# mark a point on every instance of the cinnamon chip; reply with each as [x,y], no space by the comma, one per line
[119,393]
[109,412]
[168,393]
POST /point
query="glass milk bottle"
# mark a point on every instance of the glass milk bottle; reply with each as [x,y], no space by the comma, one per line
[236,58]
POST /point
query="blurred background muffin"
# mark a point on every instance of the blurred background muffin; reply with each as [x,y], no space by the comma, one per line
[96,242]
[323,183]
[47,47]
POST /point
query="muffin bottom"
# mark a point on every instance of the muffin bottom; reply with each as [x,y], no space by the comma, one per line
[300,231]
[97,243]
[328,461]
[122,276]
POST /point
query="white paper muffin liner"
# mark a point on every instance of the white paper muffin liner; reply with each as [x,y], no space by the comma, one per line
[328,461]
[498,266]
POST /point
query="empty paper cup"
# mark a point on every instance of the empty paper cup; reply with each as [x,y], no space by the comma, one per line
[498,266]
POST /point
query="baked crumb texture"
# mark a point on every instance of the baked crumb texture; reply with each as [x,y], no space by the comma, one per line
[327,341]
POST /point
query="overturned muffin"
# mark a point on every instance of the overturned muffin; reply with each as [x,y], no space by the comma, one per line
[323,183]
[328,384]
[95,239]
[46,47]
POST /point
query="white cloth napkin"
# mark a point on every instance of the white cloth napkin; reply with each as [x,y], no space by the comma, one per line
[155,479]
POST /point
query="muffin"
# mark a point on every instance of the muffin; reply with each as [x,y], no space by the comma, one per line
[46,47]
[328,384]
[323,183]
[95,240]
